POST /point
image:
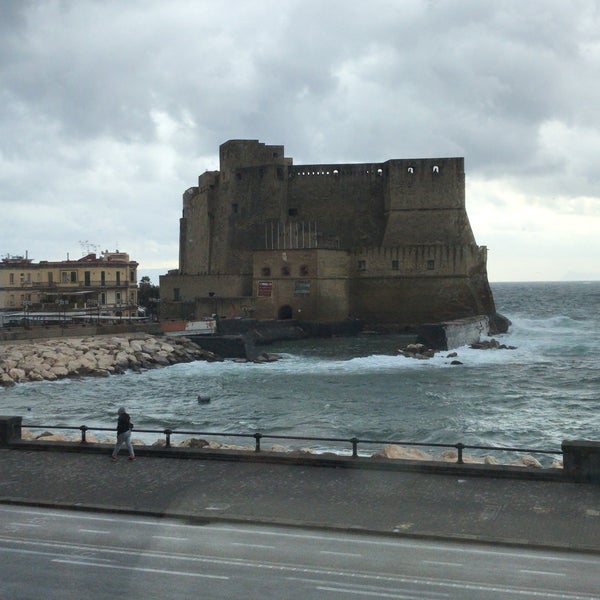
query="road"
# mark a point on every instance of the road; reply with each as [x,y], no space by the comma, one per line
[54,554]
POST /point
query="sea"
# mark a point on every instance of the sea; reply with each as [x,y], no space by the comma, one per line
[543,391]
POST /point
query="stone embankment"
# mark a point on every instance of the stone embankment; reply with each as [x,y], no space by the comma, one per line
[94,356]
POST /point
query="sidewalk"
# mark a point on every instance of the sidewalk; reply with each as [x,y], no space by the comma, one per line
[536,513]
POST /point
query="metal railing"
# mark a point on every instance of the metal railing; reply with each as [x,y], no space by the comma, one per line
[258,437]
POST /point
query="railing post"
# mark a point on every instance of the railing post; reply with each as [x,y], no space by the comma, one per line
[460,447]
[354,441]
[83,430]
[168,433]
[257,437]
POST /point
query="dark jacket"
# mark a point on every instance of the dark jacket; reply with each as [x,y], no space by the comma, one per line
[124,423]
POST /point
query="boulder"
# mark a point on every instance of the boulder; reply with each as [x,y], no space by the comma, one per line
[17,374]
[527,461]
[193,443]
[400,452]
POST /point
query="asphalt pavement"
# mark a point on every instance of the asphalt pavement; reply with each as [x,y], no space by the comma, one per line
[553,514]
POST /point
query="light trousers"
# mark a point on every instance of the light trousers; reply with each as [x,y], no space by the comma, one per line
[124,438]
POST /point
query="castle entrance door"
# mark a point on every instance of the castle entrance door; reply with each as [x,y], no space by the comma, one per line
[284,312]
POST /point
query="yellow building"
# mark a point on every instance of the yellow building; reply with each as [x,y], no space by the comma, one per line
[90,287]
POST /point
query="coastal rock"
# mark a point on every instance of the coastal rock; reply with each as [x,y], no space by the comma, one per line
[400,452]
[51,359]
[16,374]
[418,351]
[492,344]
[193,443]
[527,461]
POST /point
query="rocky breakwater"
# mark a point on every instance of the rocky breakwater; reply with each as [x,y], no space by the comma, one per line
[49,360]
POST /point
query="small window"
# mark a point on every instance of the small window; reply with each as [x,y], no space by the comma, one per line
[279,173]
[411,170]
[12,278]
[292,212]
[285,270]
[304,270]
[266,271]
[234,208]
[362,265]
[176,294]
[436,169]
[430,265]
[395,265]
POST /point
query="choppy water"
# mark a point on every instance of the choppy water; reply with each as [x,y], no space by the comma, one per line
[535,396]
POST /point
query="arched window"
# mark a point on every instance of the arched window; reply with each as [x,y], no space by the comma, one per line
[411,170]
[436,169]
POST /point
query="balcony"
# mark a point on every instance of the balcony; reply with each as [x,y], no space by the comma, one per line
[72,285]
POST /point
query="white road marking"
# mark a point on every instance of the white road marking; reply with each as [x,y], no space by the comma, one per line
[143,569]
[553,573]
[103,532]
[442,563]
[253,545]
[366,593]
[340,553]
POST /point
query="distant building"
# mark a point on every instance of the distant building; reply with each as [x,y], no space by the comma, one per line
[388,243]
[104,286]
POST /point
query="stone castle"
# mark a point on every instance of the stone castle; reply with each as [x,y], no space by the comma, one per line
[386,243]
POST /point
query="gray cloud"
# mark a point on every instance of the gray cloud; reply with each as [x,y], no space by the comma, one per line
[110,110]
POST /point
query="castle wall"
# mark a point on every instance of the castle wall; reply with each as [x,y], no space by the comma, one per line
[345,201]
[301,284]
[387,242]
[419,284]
[425,202]
[179,294]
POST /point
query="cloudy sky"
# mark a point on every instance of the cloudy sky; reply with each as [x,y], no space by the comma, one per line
[110,109]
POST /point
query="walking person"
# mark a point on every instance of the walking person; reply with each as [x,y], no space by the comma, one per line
[124,427]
